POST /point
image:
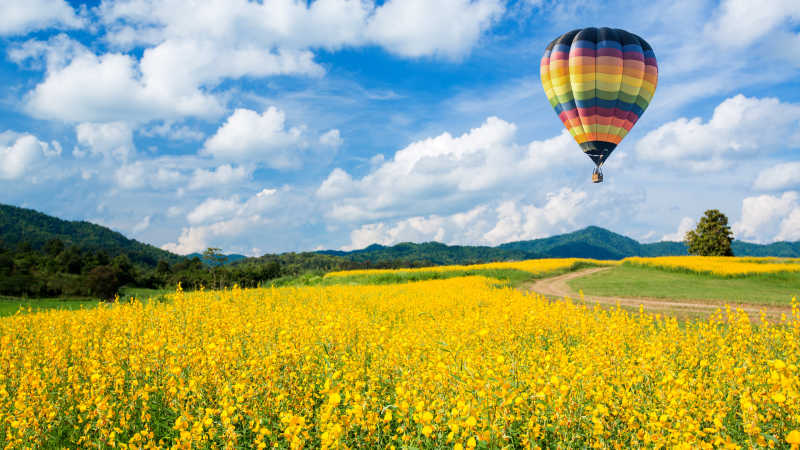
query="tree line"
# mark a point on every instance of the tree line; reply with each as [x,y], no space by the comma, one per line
[56,269]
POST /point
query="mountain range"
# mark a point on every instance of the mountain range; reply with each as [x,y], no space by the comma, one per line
[25,225]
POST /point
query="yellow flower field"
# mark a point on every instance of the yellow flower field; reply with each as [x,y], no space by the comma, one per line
[535,266]
[721,265]
[457,363]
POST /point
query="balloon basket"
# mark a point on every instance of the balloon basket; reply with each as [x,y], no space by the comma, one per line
[597,175]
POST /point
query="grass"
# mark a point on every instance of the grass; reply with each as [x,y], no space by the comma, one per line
[637,281]
[10,305]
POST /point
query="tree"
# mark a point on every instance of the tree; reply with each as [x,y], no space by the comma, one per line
[712,237]
[124,269]
[214,257]
[104,281]
[54,246]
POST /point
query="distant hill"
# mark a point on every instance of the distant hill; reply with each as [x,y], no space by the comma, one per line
[432,253]
[26,225]
[590,242]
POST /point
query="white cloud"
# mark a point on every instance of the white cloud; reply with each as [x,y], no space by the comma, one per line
[331,139]
[196,239]
[216,209]
[414,229]
[767,218]
[338,184]
[112,140]
[213,209]
[217,218]
[740,127]
[20,154]
[53,54]
[178,64]
[221,176]
[562,211]
[23,16]
[249,136]
[417,28]
[142,225]
[188,51]
[435,171]
[110,87]
[147,174]
[740,22]
[405,27]
[777,177]
[687,224]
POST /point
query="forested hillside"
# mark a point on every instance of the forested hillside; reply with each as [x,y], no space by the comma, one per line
[20,226]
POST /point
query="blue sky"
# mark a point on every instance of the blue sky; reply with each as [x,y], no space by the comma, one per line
[297,125]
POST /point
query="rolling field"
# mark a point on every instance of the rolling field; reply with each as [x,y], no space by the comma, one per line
[647,281]
[460,362]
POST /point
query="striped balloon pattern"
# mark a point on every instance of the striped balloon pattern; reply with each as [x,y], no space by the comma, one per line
[599,81]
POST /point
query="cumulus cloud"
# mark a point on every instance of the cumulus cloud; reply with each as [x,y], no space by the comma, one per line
[196,239]
[417,28]
[740,22]
[112,140]
[170,81]
[52,54]
[779,176]
[767,218]
[562,211]
[434,171]
[405,27]
[21,153]
[112,87]
[187,52]
[492,224]
[21,17]
[147,174]
[266,139]
[331,139]
[740,127]
[212,209]
[217,218]
[687,224]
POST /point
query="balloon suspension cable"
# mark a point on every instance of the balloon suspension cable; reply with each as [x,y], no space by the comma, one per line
[597,175]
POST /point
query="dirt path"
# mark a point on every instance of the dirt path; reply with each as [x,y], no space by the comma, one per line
[557,287]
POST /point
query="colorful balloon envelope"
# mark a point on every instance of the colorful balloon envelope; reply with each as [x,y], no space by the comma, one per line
[599,81]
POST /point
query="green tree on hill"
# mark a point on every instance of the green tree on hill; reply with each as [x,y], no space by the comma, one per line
[712,237]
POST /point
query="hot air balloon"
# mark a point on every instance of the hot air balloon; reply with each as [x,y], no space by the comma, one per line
[599,81]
